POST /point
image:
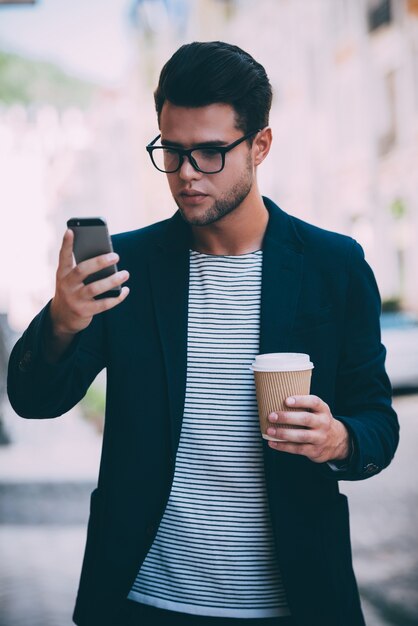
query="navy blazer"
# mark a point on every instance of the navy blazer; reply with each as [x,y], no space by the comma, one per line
[319,297]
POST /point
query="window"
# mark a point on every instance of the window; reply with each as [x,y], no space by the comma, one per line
[387,130]
[379,13]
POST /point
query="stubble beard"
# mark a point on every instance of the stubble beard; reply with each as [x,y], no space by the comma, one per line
[225,204]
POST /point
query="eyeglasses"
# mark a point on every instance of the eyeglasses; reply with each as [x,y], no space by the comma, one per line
[208,160]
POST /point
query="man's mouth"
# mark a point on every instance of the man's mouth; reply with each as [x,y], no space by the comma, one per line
[190,193]
[192,197]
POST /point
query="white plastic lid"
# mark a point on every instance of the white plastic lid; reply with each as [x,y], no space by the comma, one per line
[282,362]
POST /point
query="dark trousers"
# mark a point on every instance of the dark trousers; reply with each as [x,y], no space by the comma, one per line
[143,615]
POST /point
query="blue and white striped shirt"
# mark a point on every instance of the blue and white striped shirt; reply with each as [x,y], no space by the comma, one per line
[213,553]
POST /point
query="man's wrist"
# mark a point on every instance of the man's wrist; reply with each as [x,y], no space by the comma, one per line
[55,343]
[344,462]
[345,447]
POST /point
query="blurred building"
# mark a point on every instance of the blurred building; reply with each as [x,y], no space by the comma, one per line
[345,113]
[344,119]
[58,164]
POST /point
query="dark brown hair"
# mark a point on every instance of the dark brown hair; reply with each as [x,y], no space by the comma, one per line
[203,73]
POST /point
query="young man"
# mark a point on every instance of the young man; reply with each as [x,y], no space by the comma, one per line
[196,519]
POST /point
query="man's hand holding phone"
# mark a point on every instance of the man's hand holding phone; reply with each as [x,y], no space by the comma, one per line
[75,302]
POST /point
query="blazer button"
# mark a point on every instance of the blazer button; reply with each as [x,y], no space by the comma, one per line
[370,468]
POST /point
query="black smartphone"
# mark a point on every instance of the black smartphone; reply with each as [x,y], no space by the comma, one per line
[91,238]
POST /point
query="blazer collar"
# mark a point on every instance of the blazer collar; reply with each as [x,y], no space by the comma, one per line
[169,274]
[280,230]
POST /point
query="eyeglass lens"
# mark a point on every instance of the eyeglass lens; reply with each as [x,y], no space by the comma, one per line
[208,160]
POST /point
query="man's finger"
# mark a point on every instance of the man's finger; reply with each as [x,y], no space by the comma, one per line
[109,303]
[66,263]
[307,402]
[294,435]
[85,268]
[92,307]
[98,287]
[312,452]
[291,448]
[296,418]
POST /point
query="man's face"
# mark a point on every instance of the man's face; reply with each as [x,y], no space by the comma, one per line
[206,198]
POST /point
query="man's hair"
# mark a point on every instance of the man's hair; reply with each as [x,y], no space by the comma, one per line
[203,73]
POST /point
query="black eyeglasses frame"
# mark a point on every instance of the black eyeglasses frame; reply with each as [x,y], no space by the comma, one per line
[187,152]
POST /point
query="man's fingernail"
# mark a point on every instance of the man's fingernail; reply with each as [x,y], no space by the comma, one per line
[273,417]
[290,401]
[112,256]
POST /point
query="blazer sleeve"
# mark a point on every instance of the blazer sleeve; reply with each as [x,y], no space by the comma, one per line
[363,391]
[39,389]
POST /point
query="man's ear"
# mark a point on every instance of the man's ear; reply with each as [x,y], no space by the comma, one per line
[261,145]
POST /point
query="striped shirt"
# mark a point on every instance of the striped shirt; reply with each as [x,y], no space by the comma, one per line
[213,553]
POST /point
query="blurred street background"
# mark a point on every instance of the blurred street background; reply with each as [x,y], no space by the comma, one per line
[76,111]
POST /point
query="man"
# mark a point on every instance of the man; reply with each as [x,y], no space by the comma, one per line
[196,519]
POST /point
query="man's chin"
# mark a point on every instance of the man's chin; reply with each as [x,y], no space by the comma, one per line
[218,210]
[196,217]
[195,220]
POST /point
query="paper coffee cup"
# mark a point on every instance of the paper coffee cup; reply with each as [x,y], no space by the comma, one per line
[277,376]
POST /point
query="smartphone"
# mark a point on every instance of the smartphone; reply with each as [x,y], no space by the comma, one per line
[91,238]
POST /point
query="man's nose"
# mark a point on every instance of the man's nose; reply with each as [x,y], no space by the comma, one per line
[187,171]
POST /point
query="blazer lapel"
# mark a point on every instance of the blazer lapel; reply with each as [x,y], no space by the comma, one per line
[169,270]
[281,281]
[280,291]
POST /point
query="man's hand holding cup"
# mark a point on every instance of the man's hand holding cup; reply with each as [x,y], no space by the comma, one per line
[322,439]
[290,419]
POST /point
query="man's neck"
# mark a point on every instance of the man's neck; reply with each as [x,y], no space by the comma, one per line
[240,232]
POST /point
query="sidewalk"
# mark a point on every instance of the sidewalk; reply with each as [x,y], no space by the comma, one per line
[46,479]
[50,450]
[384,513]
[45,484]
